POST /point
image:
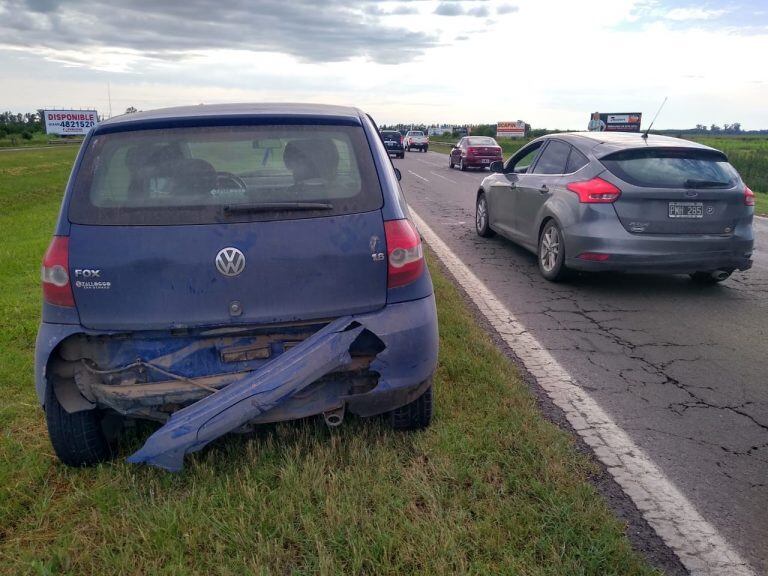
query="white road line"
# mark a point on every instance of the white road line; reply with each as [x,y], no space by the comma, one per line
[417,176]
[698,544]
[443,177]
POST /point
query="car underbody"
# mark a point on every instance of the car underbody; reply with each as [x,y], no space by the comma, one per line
[211,382]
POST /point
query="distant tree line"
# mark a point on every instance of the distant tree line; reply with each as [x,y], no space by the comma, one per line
[20,125]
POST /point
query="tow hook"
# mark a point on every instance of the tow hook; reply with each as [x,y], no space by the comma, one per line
[334,418]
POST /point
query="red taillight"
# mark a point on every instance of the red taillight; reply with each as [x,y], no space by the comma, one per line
[405,259]
[471,150]
[749,197]
[594,256]
[595,191]
[56,287]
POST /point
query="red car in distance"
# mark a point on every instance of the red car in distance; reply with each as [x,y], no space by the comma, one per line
[475,152]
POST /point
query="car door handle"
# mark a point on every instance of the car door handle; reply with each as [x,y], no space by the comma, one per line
[544,189]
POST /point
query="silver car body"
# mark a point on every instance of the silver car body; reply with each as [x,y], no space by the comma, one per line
[637,232]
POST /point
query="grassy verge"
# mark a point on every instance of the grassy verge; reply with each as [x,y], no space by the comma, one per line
[37,139]
[490,488]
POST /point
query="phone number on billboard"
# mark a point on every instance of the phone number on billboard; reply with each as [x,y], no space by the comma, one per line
[77,124]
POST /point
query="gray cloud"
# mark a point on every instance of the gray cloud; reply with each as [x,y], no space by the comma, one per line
[449,9]
[458,9]
[479,11]
[334,30]
[506,9]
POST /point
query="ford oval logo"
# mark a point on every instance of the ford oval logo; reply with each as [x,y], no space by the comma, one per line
[230,261]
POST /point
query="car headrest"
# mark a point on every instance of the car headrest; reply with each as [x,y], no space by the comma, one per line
[192,177]
[310,158]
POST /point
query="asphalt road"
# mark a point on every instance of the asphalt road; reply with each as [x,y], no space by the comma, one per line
[682,368]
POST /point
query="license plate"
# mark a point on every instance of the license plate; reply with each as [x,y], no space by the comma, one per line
[686,210]
[486,161]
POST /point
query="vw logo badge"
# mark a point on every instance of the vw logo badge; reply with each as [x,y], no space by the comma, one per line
[230,261]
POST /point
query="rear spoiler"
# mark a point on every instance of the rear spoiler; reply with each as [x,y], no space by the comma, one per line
[694,153]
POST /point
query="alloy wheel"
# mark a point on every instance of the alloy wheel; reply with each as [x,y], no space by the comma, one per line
[550,249]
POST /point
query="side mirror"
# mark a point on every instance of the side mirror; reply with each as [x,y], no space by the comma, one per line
[497,167]
[398,174]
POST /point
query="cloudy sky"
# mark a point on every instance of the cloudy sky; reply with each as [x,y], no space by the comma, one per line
[549,62]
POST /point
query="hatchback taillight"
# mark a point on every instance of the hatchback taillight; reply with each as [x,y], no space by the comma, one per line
[56,287]
[405,258]
[749,197]
[471,150]
[595,191]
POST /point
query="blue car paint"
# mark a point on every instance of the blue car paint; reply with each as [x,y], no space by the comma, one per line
[332,272]
[408,332]
[193,427]
[405,321]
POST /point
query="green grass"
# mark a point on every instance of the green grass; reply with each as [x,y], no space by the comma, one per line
[490,488]
[38,139]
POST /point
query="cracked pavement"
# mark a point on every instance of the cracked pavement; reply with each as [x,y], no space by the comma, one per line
[678,366]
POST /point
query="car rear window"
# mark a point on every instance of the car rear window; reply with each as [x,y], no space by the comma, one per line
[209,174]
[391,135]
[481,141]
[416,133]
[672,168]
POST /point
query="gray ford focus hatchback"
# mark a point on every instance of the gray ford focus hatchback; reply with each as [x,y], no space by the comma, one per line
[621,202]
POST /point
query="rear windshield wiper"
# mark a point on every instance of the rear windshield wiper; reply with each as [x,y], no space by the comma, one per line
[276,207]
[706,184]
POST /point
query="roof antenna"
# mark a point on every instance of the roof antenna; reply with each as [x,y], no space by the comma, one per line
[645,134]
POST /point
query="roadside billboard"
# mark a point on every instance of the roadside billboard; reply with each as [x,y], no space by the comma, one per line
[70,122]
[615,122]
[510,129]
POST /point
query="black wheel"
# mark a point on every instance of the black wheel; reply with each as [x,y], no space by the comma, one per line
[481,218]
[401,155]
[426,148]
[77,438]
[462,166]
[551,253]
[450,162]
[711,277]
[414,416]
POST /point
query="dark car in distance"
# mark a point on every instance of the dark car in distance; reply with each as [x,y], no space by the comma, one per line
[393,142]
[217,267]
[474,152]
[599,201]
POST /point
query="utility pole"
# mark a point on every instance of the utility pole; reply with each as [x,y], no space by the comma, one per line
[109,97]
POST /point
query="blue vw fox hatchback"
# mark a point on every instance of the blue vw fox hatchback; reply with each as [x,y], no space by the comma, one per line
[216,267]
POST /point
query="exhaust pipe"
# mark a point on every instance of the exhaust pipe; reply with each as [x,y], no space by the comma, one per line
[334,418]
[720,275]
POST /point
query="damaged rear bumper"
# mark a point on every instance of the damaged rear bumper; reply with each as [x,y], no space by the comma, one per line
[312,377]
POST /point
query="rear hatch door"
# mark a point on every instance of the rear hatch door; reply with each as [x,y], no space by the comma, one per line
[226,225]
[675,191]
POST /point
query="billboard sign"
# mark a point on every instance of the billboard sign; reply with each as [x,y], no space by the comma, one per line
[510,129]
[616,122]
[70,122]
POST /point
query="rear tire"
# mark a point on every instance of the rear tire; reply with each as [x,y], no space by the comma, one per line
[401,155]
[77,438]
[462,166]
[707,278]
[551,253]
[414,416]
[482,218]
